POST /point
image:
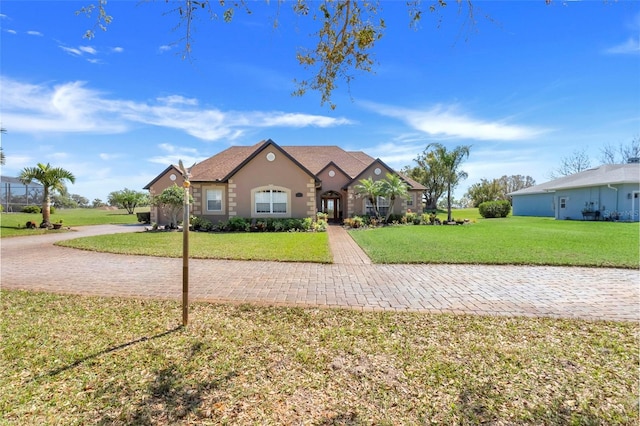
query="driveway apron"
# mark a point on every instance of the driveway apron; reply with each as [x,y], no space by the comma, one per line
[34,263]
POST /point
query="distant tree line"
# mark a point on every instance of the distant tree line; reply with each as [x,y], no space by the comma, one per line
[579,160]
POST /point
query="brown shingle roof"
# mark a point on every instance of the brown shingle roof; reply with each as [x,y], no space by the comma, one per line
[316,158]
[218,167]
[313,158]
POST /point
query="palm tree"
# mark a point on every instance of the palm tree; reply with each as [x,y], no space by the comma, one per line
[51,179]
[393,187]
[448,163]
[370,189]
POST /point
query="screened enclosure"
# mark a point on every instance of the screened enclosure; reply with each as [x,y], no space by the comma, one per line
[14,195]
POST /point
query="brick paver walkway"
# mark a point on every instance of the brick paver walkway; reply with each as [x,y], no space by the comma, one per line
[592,293]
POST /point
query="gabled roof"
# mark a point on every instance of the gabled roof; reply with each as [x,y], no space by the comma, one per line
[311,159]
[221,165]
[412,183]
[225,164]
[608,174]
[164,172]
[316,158]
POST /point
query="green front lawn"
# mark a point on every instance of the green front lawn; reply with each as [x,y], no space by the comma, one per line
[512,240]
[76,360]
[13,224]
[276,246]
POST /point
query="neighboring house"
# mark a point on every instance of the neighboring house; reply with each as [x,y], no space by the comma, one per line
[603,193]
[268,180]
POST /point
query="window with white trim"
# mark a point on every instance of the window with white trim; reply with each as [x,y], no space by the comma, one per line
[214,200]
[383,206]
[272,201]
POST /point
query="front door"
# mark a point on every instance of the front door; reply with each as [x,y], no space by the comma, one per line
[331,206]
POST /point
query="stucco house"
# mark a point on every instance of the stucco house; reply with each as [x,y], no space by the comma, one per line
[608,192]
[269,180]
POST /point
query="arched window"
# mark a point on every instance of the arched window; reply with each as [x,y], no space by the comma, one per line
[271,201]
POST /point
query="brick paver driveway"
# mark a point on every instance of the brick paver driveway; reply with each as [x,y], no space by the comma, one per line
[34,263]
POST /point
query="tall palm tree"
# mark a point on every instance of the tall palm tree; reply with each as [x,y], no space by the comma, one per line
[448,163]
[393,187]
[51,179]
[370,189]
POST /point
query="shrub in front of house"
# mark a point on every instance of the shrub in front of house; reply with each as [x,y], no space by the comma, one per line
[355,222]
[240,224]
[413,218]
[237,224]
[492,209]
[201,224]
[31,209]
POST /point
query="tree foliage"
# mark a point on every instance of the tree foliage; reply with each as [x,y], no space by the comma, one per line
[171,201]
[347,32]
[439,171]
[426,172]
[128,199]
[371,190]
[448,165]
[392,188]
[52,179]
[497,189]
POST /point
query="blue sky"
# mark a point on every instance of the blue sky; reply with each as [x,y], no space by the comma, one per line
[525,87]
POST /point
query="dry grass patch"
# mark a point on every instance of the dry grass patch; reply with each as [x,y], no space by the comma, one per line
[78,360]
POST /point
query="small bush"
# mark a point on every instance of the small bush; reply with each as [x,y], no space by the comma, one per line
[492,209]
[237,224]
[355,222]
[31,209]
[412,218]
[395,218]
[201,224]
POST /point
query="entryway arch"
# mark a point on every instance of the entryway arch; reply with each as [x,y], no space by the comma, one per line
[331,204]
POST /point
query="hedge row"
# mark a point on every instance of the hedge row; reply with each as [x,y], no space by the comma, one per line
[240,224]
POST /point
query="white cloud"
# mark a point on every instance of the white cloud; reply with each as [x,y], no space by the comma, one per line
[177,100]
[165,48]
[88,49]
[117,49]
[629,47]
[35,33]
[280,119]
[172,154]
[108,157]
[12,31]
[68,107]
[72,51]
[449,122]
[72,107]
